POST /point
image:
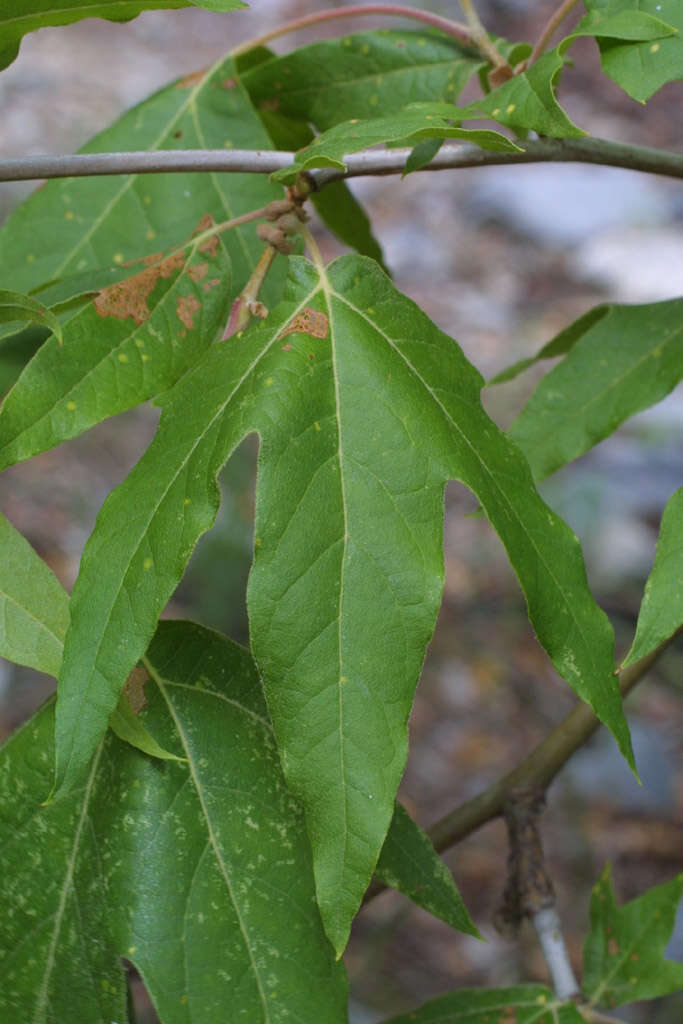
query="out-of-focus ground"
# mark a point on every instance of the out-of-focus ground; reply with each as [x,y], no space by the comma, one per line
[501,258]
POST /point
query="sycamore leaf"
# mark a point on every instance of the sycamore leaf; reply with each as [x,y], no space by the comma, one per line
[361,75]
[520,1004]
[408,862]
[77,225]
[409,126]
[648,52]
[22,16]
[365,409]
[557,346]
[34,609]
[133,340]
[527,101]
[15,352]
[661,612]
[199,873]
[623,956]
[626,361]
[18,308]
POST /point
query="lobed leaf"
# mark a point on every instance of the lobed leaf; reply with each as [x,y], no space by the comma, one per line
[623,956]
[408,862]
[361,75]
[408,126]
[661,612]
[133,340]
[75,226]
[628,359]
[365,409]
[198,873]
[22,16]
[521,1004]
[649,51]
[34,609]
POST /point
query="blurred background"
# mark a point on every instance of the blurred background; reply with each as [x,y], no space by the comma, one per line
[501,259]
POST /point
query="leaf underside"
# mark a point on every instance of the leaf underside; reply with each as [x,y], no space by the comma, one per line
[365,410]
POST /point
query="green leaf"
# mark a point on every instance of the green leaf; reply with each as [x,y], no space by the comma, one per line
[623,957]
[628,360]
[198,873]
[18,308]
[126,722]
[15,352]
[365,409]
[34,609]
[361,76]
[408,862]
[341,212]
[527,101]
[422,154]
[131,342]
[22,16]
[557,346]
[73,226]
[661,612]
[409,126]
[521,1004]
[648,58]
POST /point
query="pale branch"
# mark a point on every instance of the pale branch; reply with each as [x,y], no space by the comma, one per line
[369,162]
[549,931]
[445,25]
[540,767]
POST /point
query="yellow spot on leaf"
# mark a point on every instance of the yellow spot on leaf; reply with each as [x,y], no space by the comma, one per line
[150,234]
[654,47]
[132,949]
[187,501]
[145,357]
[317,426]
[123,358]
[118,257]
[496,112]
[147,200]
[227,144]
[71,406]
[139,342]
[30,258]
[269,382]
[183,1000]
[509,109]
[365,48]
[69,215]
[147,564]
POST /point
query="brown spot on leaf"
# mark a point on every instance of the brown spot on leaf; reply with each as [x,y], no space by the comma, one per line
[308,321]
[613,947]
[210,245]
[186,308]
[229,83]
[134,689]
[198,272]
[177,135]
[129,298]
[187,81]
[270,105]
[286,348]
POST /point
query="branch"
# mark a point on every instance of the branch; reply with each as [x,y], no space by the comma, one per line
[549,29]
[540,767]
[369,162]
[450,28]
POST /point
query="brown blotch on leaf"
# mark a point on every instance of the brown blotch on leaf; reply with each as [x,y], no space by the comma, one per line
[613,947]
[129,298]
[308,321]
[186,308]
[134,689]
[187,81]
[198,272]
[210,245]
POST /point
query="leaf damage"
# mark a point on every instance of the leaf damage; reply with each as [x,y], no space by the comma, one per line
[308,321]
[128,298]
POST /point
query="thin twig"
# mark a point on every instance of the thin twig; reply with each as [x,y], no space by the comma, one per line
[480,37]
[549,931]
[548,29]
[451,28]
[540,767]
[369,162]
